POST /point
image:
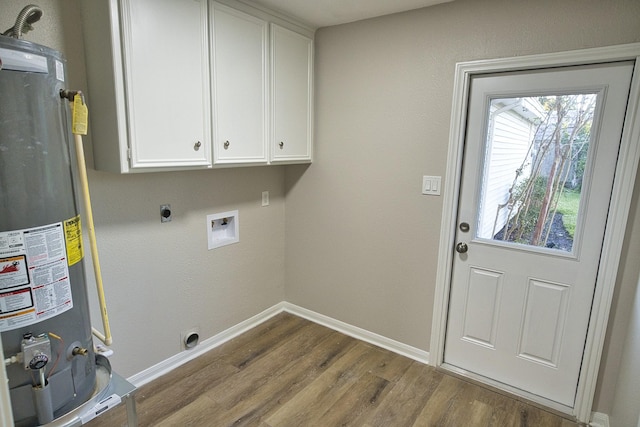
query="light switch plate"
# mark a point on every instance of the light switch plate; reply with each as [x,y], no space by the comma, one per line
[431,185]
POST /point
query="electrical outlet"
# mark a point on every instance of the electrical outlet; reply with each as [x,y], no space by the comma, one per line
[165,213]
[265,198]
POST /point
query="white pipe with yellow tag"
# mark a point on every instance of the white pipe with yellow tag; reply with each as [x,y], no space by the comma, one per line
[79,123]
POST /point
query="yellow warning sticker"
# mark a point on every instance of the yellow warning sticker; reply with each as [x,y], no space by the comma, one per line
[80,116]
[73,238]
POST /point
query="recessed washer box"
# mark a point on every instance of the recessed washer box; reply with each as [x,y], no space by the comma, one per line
[223,229]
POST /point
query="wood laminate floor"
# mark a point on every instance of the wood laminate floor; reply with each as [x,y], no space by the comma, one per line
[291,372]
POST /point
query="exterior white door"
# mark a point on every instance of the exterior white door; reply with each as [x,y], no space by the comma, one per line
[540,154]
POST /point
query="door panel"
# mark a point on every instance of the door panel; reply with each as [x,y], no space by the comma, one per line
[519,306]
[545,310]
[483,301]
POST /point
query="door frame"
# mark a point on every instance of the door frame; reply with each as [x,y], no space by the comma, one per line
[626,169]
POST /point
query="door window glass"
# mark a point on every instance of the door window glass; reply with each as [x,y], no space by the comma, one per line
[536,155]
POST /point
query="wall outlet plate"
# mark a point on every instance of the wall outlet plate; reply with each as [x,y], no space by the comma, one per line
[223,229]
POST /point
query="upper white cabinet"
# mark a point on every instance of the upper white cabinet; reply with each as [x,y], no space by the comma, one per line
[187,84]
[158,72]
[292,96]
[240,86]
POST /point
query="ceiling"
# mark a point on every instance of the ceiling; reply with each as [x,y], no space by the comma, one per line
[323,13]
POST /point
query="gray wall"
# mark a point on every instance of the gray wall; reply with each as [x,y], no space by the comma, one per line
[361,241]
[626,399]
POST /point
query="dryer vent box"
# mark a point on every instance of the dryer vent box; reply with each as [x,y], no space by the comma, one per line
[222,229]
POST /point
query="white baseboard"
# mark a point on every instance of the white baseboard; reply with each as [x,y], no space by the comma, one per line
[359,333]
[183,357]
[598,419]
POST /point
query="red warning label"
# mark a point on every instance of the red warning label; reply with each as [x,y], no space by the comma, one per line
[13,272]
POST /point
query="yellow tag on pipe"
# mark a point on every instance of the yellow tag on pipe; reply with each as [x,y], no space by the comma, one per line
[80,115]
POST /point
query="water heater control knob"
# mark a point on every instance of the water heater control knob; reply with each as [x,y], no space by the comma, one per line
[36,351]
[38,362]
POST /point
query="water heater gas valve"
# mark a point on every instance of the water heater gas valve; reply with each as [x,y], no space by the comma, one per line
[36,351]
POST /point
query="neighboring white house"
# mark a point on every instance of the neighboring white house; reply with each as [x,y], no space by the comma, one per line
[511,127]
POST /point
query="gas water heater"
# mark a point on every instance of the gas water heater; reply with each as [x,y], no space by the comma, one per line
[44,312]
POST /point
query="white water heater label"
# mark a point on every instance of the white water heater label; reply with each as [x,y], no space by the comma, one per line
[34,276]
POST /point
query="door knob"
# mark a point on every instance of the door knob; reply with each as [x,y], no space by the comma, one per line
[462,248]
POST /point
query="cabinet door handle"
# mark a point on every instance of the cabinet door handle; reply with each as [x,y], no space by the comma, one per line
[226,145]
[281,145]
[197,145]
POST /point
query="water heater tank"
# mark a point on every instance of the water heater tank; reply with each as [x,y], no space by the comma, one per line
[44,314]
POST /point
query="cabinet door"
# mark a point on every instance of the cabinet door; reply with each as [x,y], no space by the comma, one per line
[165,46]
[240,87]
[291,92]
